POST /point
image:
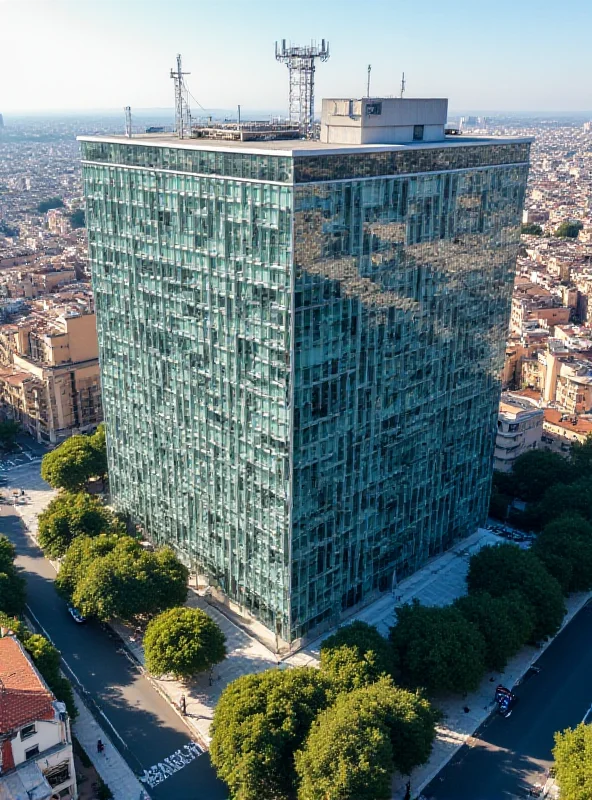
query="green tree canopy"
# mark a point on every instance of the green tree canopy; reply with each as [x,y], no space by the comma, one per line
[112,576]
[355,656]
[505,568]
[565,548]
[506,624]
[51,202]
[78,218]
[569,230]
[438,648]
[576,497]
[581,456]
[537,470]
[70,515]
[8,432]
[347,756]
[71,465]
[99,443]
[573,762]
[346,753]
[259,723]
[183,641]
[531,229]
[12,585]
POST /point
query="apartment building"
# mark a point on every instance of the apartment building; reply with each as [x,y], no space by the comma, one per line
[49,367]
[36,757]
[519,428]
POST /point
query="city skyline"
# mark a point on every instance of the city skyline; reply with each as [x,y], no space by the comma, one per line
[90,62]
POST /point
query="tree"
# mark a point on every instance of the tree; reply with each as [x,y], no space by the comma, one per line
[12,585]
[78,218]
[581,456]
[354,746]
[569,230]
[438,649]
[71,465]
[565,548]
[537,470]
[70,515]
[112,576]
[498,505]
[51,202]
[531,229]
[8,432]
[348,756]
[576,496]
[182,642]
[259,723]
[506,624]
[573,762]
[505,568]
[99,443]
[355,656]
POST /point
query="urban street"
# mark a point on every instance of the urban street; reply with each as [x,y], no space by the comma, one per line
[138,720]
[506,758]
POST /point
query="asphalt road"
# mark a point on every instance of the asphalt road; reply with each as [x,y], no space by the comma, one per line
[506,757]
[147,729]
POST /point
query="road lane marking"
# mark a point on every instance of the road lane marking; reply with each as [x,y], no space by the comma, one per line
[173,763]
[71,671]
[110,724]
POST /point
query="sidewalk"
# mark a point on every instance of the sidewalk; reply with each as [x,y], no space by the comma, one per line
[109,764]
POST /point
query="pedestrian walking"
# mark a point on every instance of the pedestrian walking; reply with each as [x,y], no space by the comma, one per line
[183,704]
[100,746]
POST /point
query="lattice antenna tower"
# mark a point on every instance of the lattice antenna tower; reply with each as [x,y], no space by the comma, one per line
[301,66]
[182,109]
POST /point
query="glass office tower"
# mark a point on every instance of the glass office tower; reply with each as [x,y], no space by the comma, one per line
[301,348]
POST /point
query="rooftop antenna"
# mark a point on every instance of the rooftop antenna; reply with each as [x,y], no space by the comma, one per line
[369,71]
[301,65]
[182,110]
[402,84]
[128,121]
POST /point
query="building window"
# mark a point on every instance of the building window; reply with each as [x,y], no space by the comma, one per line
[28,730]
[373,109]
[418,133]
[32,752]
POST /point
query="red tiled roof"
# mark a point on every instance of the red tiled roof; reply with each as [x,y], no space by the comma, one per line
[23,696]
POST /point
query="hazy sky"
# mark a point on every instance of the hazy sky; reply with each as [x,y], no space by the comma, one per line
[514,55]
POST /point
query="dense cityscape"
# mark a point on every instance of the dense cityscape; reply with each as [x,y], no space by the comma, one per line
[295,446]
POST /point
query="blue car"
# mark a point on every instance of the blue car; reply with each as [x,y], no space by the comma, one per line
[76,615]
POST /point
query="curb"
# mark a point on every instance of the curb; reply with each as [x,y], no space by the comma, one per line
[154,683]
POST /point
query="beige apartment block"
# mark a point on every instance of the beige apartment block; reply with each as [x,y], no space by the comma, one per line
[519,428]
[49,368]
[560,431]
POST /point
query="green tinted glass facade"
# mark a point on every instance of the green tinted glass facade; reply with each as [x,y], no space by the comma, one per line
[301,373]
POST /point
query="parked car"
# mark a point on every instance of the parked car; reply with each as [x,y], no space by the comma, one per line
[76,615]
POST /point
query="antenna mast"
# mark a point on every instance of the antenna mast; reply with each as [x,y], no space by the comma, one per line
[301,65]
[369,71]
[128,121]
[402,84]
[182,110]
